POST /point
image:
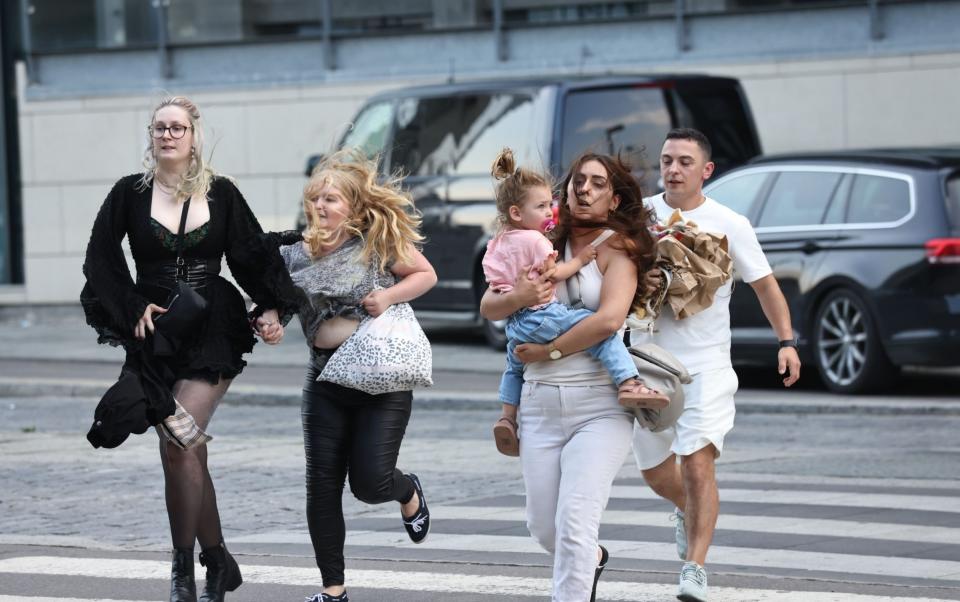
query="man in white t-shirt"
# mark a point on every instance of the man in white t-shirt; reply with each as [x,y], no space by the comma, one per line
[702,343]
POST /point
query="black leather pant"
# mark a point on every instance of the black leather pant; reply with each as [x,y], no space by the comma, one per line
[348,429]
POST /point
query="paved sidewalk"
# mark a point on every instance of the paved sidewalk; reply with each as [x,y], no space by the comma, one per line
[466,371]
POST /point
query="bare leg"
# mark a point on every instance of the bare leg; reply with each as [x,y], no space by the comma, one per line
[191,499]
[702,501]
[667,481]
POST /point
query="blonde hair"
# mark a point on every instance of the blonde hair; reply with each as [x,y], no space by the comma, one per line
[196,181]
[381,214]
[514,183]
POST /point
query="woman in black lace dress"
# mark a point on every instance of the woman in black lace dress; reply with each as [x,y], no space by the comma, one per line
[197,369]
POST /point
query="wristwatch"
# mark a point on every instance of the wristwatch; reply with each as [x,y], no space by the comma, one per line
[555,353]
[789,343]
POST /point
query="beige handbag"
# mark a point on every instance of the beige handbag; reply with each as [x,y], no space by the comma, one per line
[661,371]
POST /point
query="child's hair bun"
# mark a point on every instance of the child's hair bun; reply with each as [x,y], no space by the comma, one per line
[504,165]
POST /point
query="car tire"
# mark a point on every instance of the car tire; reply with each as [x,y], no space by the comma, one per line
[847,349]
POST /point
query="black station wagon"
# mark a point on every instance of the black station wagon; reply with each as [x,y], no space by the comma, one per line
[445,137]
[866,247]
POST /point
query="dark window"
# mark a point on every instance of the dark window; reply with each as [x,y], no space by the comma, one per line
[739,193]
[370,130]
[631,121]
[875,199]
[487,124]
[424,143]
[953,200]
[798,198]
[58,25]
[719,111]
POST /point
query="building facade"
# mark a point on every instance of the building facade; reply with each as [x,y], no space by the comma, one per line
[278,80]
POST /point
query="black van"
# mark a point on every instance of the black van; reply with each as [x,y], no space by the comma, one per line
[445,137]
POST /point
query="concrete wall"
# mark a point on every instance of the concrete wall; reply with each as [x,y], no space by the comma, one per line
[79,133]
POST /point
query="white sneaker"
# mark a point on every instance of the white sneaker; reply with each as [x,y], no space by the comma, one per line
[680,533]
[693,583]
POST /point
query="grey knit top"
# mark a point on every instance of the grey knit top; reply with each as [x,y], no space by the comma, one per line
[332,285]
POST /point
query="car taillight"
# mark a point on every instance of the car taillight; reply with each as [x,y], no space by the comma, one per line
[943,250]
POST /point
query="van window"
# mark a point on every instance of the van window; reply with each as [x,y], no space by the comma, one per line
[489,123]
[719,111]
[739,193]
[632,121]
[837,211]
[953,200]
[875,199]
[424,144]
[798,198]
[369,131]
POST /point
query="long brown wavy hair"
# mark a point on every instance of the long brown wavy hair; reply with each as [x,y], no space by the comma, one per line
[631,220]
[381,213]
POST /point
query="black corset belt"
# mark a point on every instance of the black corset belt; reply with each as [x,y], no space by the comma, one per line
[194,272]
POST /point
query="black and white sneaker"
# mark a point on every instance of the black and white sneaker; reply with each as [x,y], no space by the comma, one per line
[418,525]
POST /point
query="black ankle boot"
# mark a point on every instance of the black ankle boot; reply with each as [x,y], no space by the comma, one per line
[182,586]
[223,573]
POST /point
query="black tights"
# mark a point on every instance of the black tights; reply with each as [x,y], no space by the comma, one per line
[345,428]
[191,499]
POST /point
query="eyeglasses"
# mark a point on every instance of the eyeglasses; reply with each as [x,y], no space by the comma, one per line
[176,130]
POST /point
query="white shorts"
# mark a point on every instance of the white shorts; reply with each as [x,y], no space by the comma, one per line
[707,417]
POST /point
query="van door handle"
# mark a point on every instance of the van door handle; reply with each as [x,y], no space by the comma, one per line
[810,247]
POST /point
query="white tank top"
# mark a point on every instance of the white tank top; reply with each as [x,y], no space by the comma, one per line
[578,369]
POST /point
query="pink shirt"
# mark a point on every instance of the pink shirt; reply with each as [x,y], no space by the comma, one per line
[511,251]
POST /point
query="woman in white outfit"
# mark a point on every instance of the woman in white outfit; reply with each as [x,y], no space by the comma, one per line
[574,435]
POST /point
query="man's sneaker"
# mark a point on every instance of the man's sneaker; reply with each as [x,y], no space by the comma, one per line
[680,533]
[693,583]
[418,525]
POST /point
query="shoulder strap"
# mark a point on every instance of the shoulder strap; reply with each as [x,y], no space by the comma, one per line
[602,238]
[180,231]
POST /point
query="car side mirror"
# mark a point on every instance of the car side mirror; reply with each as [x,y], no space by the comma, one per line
[312,162]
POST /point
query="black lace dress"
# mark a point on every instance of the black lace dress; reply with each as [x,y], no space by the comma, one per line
[114,302]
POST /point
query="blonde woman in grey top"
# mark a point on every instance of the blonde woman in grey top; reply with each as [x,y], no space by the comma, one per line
[574,435]
[357,258]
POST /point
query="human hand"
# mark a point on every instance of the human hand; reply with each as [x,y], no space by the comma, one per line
[268,327]
[588,254]
[652,280]
[531,352]
[377,302]
[788,361]
[534,291]
[145,323]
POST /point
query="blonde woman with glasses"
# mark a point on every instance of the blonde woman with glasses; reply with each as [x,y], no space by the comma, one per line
[180,219]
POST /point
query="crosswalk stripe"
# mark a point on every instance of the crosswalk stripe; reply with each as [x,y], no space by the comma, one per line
[639,550]
[48,599]
[785,525]
[898,483]
[399,580]
[821,498]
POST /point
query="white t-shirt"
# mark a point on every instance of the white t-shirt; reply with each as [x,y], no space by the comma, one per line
[702,341]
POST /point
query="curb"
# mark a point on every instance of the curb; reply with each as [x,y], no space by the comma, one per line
[447,400]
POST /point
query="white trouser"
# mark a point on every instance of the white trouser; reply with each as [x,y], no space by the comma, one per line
[573,442]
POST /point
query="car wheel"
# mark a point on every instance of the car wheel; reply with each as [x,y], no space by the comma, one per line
[847,348]
[495,333]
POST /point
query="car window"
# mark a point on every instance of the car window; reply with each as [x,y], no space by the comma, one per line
[739,192]
[875,199]
[631,121]
[488,123]
[798,198]
[953,200]
[369,131]
[424,143]
[837,212]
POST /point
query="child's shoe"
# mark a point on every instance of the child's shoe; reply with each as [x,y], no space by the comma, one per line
[640,396]
[505,435]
